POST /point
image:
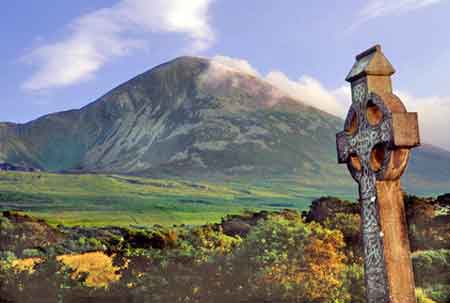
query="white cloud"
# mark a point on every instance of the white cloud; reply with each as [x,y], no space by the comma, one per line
[98,37]
[434,117]
[310,91]
[379,8]
[434,111]
[237,64]
[306,90]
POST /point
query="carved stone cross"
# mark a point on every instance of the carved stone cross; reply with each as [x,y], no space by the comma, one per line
[376,141]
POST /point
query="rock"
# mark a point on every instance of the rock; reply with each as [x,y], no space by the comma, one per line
[236,227]
[325,207]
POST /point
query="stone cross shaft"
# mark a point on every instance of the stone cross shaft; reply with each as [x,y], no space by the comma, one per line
[375,144]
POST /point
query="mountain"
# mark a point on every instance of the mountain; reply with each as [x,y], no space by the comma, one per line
[193,117]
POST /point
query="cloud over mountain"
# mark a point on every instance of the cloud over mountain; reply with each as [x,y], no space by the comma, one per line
[306,89]
[433,110]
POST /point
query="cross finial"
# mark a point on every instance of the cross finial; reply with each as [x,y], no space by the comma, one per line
[370,62]
[373,70]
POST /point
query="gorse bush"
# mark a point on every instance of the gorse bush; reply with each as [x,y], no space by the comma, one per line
[294,261]
[49,281]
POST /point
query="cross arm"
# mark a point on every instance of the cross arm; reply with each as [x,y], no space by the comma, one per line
[405,129]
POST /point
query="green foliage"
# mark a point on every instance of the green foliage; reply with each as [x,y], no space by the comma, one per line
[82,241]
[432,266]
[422,297]
[87,244]
[5,225]
[94,244]
[31,253]
[438,292]
[353,279]
[7,256]
[292,261]
[348,224]
[205,242]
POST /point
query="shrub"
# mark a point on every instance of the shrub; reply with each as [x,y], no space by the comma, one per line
[438,292]
[94,244]
[31,253]
[293,261]
[82,242]
[7,256]
[5,224]
[421,297]
[432,266]
[353,278]
[205,242]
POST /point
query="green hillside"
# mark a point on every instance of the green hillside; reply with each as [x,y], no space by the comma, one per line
[122,201]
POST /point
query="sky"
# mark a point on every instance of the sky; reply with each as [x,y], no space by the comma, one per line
[59,55]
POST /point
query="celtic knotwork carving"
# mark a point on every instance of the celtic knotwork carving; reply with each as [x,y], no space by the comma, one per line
[360,140]
[359,91]
[357,142]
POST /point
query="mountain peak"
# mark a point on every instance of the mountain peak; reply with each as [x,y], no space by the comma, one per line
[182,61]
[186,117]
[187,58]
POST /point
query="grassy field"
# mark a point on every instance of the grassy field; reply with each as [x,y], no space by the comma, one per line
[99,200]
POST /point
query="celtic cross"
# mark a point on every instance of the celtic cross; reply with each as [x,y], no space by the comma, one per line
[375,144]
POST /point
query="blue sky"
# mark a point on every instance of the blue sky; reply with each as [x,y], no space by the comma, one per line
[58,55]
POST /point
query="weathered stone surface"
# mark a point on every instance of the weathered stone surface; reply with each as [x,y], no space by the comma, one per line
[375,143]
[406,129]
